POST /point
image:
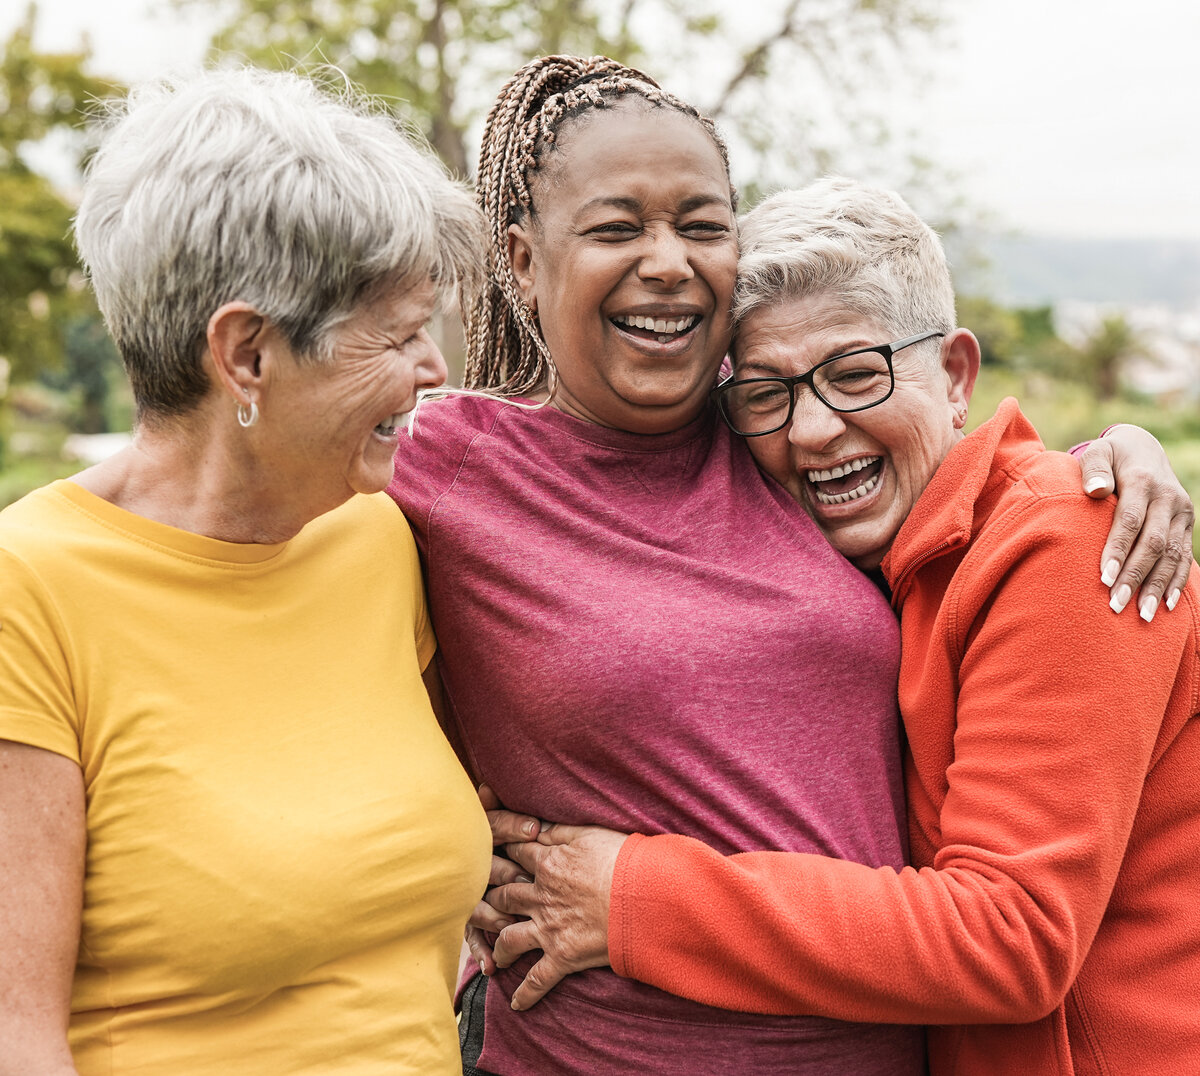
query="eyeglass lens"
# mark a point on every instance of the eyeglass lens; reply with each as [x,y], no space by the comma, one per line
[846,383]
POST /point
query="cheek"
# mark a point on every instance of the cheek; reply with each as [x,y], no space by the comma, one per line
[773,456]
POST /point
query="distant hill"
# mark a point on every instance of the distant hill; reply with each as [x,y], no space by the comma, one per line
[1034,270]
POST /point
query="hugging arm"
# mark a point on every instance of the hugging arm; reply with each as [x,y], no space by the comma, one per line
[996,929]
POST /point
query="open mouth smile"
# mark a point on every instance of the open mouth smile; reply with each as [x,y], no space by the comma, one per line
[662,330]
[847,481]
[388,427]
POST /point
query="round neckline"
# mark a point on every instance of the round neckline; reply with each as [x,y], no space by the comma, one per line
[163,535]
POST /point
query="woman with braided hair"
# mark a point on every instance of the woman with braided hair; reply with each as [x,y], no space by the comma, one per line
[636,628]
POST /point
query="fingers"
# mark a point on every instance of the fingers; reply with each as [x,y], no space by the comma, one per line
[538,982]
[560,833]
[514,941]
[481,952]
[1151,539]
[1179,580]
[507,826]
[1168,574]
[505,871]
[1096,464]
[528,857]
[516,898]
[1116,570]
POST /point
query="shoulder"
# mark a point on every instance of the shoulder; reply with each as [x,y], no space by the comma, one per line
[43,525]
[1044,495]
[369,522]
[445,426]
[439,441]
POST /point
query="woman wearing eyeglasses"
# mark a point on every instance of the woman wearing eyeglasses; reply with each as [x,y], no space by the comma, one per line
[1048,922]
[635,627]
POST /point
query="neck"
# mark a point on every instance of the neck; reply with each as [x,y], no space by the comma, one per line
[200,477]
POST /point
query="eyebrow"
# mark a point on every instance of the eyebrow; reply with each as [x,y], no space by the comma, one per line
[741,366]
[634,205]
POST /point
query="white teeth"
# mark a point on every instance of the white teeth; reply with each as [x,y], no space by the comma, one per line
[851,495]
[388,427]
[657,325]
[842,469]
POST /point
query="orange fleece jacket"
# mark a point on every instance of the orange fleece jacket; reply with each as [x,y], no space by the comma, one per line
[1053,776]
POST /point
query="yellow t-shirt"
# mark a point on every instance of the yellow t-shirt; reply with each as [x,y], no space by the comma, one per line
[282,848]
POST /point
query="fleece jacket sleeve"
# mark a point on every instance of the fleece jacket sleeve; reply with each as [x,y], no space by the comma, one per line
[1059,718]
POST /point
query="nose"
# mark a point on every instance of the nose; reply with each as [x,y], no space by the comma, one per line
[814,426]
[431,369]
[666,258]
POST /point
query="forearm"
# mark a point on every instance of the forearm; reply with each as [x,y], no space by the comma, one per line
[784,933]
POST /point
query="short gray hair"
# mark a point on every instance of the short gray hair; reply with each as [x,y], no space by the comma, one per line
[862,245]
[300,199]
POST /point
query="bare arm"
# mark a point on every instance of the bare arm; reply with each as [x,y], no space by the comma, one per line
[1150,544]
[42,843]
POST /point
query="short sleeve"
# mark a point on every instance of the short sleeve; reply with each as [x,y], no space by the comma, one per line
[37,705]
[429,458]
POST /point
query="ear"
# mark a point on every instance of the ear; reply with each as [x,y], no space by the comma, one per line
[237,337]
[520,257]
[960,363]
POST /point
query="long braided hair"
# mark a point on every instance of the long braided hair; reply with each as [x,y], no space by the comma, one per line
[505,349]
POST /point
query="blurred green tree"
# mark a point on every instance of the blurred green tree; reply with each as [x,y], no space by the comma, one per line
[765,75]
[41,286]
[1104,354]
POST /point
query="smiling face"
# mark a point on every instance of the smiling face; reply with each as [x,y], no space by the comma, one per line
[858,474]
[629,262]
[340,416]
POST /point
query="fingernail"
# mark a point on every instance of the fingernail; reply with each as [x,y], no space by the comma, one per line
[1148,608]
[513,1004]
[1172,599]
[529,827]
[1094,483]
[1121,598]
[1109,575]
[482,969]
[524,878]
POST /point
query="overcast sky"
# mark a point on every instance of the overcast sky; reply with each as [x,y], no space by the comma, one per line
[1061,116]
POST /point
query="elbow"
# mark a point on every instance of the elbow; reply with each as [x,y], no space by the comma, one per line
[1029,993]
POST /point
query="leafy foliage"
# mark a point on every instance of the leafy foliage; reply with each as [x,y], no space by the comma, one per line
[443,60]
[40,282]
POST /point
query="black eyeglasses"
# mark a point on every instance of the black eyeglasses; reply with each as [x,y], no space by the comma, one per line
[852,382]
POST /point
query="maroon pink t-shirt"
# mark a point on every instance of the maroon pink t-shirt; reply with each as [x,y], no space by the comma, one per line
[643,632]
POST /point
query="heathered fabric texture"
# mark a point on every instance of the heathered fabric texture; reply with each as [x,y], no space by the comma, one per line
[644,633]
[1052,909]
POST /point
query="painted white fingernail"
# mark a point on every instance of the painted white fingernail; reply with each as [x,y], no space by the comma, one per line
[1173,599]
[1148,608]
[1109,575]
[482,969]
[1121,598]
[1094,483]
[524,878]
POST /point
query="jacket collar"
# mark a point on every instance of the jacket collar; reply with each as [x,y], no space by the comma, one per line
[962,493]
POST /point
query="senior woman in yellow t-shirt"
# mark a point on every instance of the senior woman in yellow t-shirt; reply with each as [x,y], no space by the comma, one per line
[232,836]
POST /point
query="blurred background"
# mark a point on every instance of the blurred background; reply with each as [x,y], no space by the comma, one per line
[1052,143]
